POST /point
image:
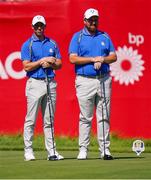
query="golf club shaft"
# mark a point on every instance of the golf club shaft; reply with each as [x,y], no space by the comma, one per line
[103,120]
[103,130]
[50,104]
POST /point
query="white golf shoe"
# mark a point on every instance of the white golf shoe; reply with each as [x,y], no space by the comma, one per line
[82,155]
[29,156]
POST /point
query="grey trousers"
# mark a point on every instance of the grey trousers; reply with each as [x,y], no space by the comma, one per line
[93,93]
[36,99]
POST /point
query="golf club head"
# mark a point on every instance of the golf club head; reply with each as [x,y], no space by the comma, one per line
[107,157]
[52,158]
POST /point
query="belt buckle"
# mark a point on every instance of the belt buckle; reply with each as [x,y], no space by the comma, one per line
[100,76]
[97,77]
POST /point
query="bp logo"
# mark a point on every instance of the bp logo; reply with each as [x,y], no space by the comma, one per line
[129,66]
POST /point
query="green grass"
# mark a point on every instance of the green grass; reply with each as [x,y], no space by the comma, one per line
[15,142]
[124,166]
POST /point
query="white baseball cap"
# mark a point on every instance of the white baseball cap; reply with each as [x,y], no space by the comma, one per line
[37,19]
[91,12]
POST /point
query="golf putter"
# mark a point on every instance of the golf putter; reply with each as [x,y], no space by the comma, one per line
[49,101]
[105,157]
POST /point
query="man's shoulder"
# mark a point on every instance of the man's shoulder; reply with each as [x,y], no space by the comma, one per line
[52,41]
[104,34]
[78,33]
[26,43]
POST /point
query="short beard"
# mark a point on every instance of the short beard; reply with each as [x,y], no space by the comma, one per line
[92,30]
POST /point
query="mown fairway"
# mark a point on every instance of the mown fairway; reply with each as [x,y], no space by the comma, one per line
[124,166]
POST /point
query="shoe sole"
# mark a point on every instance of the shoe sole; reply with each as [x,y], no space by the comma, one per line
[81,158]
[29,159]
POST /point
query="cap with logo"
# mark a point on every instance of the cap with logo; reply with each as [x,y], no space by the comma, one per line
[90,12]
[37,19]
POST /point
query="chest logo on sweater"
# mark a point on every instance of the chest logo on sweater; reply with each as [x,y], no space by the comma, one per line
[102,43]
[51,50]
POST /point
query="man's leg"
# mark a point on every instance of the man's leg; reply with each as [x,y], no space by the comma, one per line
[48,117]
[33,102]
[103,115]
[85,88]
[48,121]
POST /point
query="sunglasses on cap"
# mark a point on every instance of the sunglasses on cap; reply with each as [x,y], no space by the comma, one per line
[91,20]
[39,24]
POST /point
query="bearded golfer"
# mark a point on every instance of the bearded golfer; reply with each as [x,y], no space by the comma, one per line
[92,51]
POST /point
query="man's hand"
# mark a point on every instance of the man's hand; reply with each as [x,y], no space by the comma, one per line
[98,59]
[97,65]
[46,62]
[51,60]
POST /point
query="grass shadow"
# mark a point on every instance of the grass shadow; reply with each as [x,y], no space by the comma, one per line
[128,157]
